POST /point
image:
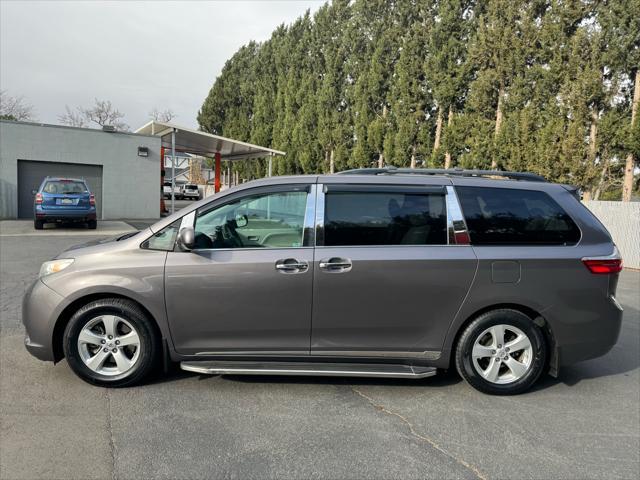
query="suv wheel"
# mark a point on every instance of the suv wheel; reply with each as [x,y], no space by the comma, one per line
[38,224]
[92,224]
[111,342]
[502,352]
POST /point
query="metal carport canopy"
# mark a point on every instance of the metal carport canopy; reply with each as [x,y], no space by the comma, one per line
[203,143]
[183,139]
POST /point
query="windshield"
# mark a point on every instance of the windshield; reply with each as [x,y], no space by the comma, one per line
[191,187]
[65,187]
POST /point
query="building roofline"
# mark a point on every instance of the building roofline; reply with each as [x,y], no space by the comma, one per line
[68,127]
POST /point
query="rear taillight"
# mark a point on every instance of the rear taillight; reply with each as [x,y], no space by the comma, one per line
[462,238]
[92,199]
[604,265]
[38,199]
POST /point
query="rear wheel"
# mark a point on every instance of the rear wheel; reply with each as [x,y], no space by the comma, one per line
[92,224]
[111,343]
[38,224]
[502,352]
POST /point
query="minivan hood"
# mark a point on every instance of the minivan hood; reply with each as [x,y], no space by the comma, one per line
[102,245]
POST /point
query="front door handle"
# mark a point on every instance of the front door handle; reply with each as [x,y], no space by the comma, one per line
[335,265]
[291,265]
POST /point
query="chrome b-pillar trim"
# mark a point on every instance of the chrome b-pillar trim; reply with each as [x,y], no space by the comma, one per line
[309,218]
[320,214]
[456,225]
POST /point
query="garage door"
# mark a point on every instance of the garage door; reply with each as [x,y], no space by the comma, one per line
[31,174]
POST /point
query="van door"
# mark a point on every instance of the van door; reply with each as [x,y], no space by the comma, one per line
[246,287]
[389,276]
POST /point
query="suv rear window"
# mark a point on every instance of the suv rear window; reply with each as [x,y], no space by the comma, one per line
[504,216]
[64,187]
[384,218]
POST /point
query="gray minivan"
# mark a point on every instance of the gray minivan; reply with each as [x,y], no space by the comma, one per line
[375,272]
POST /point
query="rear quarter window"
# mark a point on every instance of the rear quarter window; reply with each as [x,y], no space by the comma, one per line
[504,216]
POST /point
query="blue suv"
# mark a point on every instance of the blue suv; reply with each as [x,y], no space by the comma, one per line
[64,200]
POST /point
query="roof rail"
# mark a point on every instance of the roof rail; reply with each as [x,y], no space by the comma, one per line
[457,172]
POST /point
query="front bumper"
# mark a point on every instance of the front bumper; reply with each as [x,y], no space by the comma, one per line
[41,307]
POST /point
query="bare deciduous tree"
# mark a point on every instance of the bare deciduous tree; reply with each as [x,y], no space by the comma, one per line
[162,116]
[101,113]
[73,118]
[15,108]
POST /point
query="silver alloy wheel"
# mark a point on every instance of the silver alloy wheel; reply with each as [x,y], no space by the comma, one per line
[109,345]
[502,354]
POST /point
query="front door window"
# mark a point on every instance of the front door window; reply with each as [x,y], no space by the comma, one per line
[271,220]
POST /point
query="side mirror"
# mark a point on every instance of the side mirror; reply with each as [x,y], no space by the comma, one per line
[34,191]
[241,221]
[186,238]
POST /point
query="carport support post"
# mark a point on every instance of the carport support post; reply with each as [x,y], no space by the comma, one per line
[173,170]
[270,165]
[218,167]
[162,177]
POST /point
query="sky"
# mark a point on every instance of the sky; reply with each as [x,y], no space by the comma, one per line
[139,55]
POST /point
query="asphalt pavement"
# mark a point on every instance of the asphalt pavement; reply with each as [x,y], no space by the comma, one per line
[585,424]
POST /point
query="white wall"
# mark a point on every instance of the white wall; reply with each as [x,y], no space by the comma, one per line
[622,219]
[130,184]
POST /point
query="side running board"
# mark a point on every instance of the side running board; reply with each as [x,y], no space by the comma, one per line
[308,368]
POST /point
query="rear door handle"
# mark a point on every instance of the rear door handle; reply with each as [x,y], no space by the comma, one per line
[335,265]
[291,265]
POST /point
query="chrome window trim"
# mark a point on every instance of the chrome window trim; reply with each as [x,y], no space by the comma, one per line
[455,218]
[320,203]
[309,227]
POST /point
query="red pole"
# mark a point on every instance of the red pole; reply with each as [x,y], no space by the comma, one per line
[217,173]
[163,208]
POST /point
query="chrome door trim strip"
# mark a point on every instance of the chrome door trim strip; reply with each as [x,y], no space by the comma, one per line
[425,355]
[254,353]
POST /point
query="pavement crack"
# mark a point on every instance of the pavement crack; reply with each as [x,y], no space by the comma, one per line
[420,437]
[112,444]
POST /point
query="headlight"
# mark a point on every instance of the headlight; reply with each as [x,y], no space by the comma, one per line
[54,266]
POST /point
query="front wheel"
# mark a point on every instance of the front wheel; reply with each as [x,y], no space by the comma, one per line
[111,343]
[502,352]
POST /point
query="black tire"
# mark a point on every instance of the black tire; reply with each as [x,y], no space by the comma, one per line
[92,224]
[538,354]
[38,224]
[150,347]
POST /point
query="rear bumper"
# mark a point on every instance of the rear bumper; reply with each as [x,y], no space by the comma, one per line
[594,339]
[82,215]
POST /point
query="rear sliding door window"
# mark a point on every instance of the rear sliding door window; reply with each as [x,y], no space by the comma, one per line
[503,216]
[384,218]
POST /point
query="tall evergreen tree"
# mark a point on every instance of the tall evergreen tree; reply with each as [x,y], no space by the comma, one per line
[549,86]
